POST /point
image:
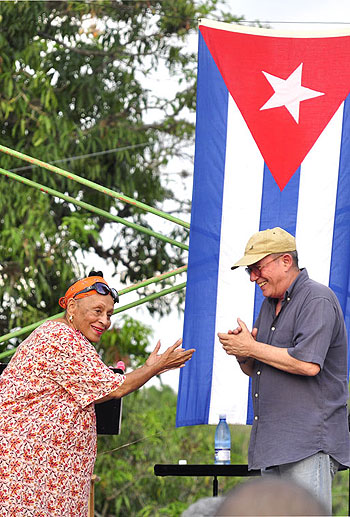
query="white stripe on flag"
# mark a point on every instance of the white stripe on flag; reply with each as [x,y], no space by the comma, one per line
[244,169]
[317,199]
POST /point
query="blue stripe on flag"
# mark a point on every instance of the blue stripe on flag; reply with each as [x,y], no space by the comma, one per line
[273,213]
[339,278]
[199,326]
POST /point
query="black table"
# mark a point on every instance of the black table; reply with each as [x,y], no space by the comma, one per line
[205,470]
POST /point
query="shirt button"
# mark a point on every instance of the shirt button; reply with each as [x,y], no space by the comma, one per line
[258,372]
[288,299]
[256,395]
[273,328]
[256,418]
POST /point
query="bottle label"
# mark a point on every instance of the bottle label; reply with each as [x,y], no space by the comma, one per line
[222,454]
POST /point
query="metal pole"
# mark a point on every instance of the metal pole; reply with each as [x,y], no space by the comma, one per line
[92,208]
[92,184]
[215,486]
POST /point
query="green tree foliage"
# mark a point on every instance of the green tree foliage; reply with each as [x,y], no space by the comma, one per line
[340,493]
[128,341]
[73,81]
[128,486]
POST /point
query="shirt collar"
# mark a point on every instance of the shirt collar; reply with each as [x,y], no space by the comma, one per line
[294,287]
[296,284]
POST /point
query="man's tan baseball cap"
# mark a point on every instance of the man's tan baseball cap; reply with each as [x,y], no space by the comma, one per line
[261,244]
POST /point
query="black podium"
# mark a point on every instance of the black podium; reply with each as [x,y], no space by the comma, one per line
[108,414]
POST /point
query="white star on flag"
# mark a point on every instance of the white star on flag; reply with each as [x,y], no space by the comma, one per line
[289,92]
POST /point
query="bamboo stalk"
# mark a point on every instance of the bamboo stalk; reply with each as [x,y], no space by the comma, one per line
[153,280]
[93,209]
[93,185]
[150,297]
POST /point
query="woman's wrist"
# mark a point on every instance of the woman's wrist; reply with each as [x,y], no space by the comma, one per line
[152,369]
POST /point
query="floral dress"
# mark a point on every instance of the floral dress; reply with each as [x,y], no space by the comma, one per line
[48,423]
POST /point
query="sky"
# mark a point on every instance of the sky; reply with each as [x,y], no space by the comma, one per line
[301,11]
[302,15]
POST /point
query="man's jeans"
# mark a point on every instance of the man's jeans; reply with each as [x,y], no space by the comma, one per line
[315,473]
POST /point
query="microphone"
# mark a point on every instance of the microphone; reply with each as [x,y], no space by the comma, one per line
[120,367]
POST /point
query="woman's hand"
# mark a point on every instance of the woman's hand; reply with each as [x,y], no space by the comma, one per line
[173,357]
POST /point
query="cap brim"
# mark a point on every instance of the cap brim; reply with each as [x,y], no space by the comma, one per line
[248,260]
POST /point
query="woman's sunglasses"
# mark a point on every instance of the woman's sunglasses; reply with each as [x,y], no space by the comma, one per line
[101,288]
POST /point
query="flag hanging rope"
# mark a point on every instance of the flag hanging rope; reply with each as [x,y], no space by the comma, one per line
[93,185]
[92,208]
[83,156]
[153,296]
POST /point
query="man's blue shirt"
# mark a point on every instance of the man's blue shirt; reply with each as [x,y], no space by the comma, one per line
[296,416]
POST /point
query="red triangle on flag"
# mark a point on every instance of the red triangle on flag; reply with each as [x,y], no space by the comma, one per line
[287,88]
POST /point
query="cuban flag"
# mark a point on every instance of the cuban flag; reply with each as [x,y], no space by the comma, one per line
[272,149]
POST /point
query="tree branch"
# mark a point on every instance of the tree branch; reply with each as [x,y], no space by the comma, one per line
[93,52]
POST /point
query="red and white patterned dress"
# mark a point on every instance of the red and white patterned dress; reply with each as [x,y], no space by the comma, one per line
[48,423]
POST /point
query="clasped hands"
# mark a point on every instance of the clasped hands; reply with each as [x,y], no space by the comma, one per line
[240,341]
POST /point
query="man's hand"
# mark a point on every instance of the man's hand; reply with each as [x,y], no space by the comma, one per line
[239,341]
[236,331]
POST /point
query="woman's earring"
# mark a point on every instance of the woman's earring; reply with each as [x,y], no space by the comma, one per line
[70,318]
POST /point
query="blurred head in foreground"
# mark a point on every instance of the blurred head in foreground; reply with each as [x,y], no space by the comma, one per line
[270,497]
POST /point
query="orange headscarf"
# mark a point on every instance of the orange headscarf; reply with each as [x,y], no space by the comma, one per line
[79,286]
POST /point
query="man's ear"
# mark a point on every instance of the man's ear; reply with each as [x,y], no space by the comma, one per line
[287,260]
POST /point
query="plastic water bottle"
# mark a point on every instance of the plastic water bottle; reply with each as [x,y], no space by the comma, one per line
[222,442]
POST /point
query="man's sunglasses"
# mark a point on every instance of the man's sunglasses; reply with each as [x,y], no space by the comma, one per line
[101,288]
[257,269]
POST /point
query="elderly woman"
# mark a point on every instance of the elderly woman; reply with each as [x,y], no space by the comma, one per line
[47,397]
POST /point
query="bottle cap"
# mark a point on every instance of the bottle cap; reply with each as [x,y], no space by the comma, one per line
[222,416]
[182,462]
